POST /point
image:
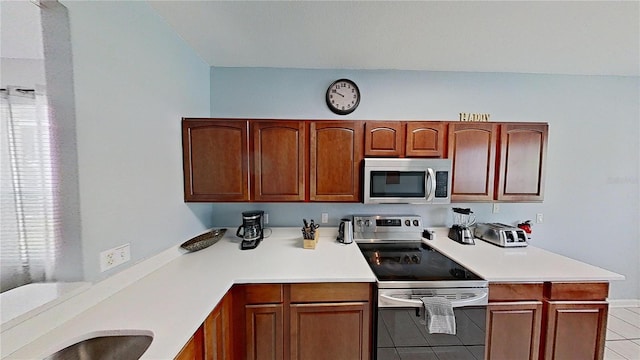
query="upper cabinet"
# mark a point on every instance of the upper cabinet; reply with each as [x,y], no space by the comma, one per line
[425,139]
[410,139]
[472,146]
[278,160]
[335,157]
[498,161]
[215,160]
[523,153]
[229,160]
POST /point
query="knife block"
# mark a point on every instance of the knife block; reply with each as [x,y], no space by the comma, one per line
[311,243]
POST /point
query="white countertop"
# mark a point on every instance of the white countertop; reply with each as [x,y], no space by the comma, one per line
[172,301]
[521,264]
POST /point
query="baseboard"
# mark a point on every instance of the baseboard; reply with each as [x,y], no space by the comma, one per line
[618,303]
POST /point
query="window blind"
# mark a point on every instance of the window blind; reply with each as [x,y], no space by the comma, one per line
[27,200]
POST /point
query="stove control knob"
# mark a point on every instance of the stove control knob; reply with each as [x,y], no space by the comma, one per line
[406,259]
[407,222]
[367,223]
[415,259]
[416,223]
[359,222]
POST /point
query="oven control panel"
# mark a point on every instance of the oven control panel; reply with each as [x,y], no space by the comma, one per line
[387,226]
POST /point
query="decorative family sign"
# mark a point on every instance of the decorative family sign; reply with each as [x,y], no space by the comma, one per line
[475,117]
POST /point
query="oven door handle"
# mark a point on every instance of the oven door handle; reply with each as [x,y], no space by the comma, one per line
[476,300]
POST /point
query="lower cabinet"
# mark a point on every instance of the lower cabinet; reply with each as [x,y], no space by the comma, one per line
[513,330]
[550,321]
[194,348]
[305,321]
[576,320]
[329,331]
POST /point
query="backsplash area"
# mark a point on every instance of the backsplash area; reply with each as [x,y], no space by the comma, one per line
[291,214]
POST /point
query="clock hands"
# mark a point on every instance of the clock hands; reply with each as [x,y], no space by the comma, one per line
[339,94]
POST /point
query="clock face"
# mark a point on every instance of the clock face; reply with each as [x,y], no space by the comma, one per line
[343,96]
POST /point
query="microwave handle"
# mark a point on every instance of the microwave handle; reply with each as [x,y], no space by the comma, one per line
[431,177]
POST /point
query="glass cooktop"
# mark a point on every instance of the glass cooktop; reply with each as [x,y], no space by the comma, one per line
[412,261]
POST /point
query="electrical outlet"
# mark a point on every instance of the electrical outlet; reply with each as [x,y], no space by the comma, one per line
[325,218]
[114,257]
[539,218]
[266,218]
[496,208]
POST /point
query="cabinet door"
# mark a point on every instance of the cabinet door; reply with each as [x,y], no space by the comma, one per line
[384,138]
[575,330]
[278,149]
[513,330]
[215,160]
[336,153]
[425,139]
[264,331]
[330,331]
[523,149]
[194,349]
[472,146]
[217,333]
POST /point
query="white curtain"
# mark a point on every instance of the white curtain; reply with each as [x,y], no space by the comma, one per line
[29,218]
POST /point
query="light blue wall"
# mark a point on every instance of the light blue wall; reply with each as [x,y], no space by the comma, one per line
[592,202]
[134,79]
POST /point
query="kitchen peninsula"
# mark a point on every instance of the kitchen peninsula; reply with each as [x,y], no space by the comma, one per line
[175,300]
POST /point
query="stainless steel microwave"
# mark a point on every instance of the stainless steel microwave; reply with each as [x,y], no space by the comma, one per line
[407,181]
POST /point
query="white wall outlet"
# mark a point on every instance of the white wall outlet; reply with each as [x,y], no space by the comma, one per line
[539,218]
[114,257]
[266,218]
[496,208]
[325,218]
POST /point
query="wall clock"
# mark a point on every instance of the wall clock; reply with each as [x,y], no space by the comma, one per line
[343,96]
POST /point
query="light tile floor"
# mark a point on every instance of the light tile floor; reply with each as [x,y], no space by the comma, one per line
[623,334]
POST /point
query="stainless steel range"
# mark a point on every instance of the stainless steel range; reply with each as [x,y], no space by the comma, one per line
[408,269]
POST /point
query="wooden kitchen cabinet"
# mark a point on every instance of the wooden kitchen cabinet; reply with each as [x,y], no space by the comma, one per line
[576,323]
[194,348]
[405,139]
[425,139]
[514,321]
[513,330]
[278,151]
[330,321]
[217,331]
[336,151]
[259,321]
[384,138]
[330,331]
[523,149]
[519,161]
[472,146]
[215,160]
[550,321]
[264,331]
[303,321]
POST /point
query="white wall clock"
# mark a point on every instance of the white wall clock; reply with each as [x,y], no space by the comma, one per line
[343,96]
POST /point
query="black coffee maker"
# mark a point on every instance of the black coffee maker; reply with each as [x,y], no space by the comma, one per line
[251,230]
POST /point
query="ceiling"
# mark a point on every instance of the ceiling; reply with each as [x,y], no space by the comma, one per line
[553,37]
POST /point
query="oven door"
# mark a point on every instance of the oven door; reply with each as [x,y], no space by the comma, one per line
[402,335]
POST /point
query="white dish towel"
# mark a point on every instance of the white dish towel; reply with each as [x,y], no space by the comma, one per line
[438,315]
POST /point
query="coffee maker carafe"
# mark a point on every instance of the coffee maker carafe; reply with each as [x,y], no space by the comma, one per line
[251,230]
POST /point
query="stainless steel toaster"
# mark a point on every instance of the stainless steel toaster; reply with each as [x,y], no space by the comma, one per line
[501,234]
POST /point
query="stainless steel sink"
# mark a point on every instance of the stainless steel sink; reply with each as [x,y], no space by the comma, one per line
[120,347]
